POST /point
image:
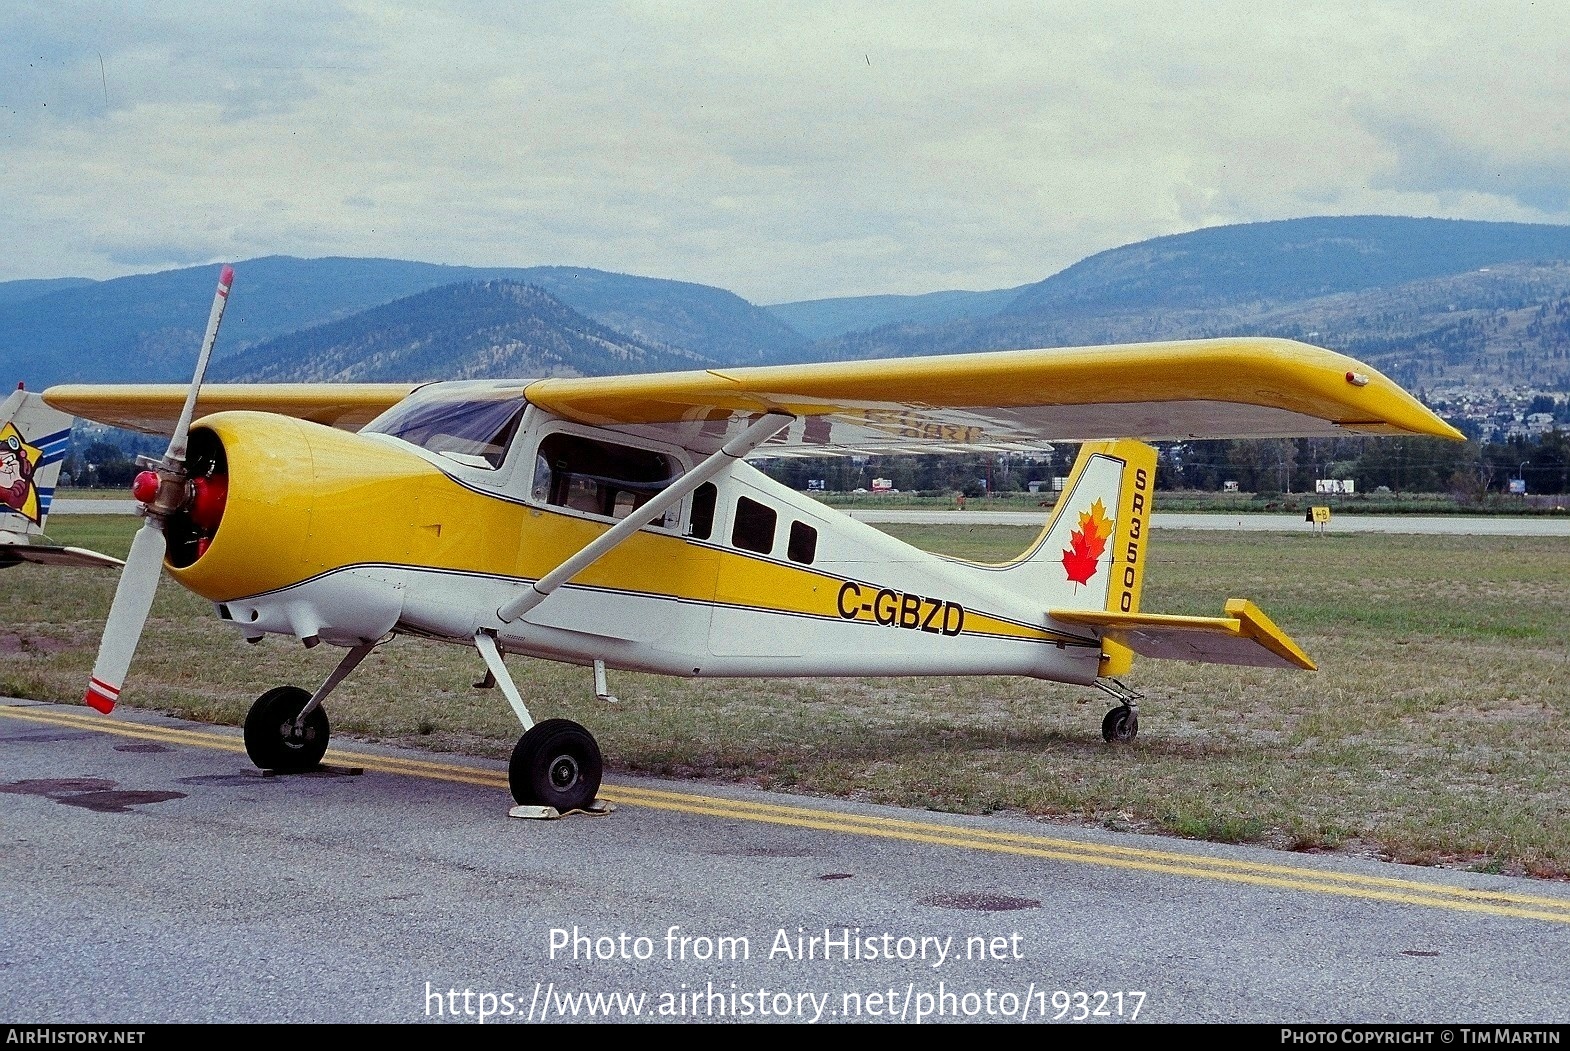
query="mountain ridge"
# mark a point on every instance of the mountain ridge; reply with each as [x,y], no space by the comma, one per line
[145,328]
[466,330]
[1428,301]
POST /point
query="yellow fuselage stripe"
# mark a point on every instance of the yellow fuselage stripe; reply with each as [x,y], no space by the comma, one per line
[1373,888]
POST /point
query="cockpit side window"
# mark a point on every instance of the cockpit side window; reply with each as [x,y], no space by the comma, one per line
[600,478]
[466,429]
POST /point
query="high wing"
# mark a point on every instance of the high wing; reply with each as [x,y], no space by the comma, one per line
[1003,400]
[153,408]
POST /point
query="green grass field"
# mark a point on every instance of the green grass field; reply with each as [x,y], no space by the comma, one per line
[1434,731]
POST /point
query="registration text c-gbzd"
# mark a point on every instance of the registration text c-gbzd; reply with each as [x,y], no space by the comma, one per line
[901,609]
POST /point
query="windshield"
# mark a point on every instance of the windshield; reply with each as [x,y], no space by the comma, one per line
[467,425]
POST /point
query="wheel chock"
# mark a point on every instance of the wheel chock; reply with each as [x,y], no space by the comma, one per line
[598,808]
[320,771]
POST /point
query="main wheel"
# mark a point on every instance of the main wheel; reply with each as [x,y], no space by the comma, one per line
[1120,725]
[271,739]
[556,764]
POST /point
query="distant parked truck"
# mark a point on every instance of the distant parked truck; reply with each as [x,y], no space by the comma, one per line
[883,485]
[1336,485]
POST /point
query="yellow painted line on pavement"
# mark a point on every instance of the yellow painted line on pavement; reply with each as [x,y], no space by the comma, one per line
[231,743]
[1287,877]
[107,724]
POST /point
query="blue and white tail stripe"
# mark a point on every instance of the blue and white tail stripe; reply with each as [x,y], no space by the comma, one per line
[54,447]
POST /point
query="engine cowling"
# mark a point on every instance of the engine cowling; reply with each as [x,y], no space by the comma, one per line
[275,501]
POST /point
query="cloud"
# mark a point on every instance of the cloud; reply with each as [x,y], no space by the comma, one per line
[155,257]
[783,152]
[75,63]
[1428,159]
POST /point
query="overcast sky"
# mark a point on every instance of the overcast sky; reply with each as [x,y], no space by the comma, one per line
[783,151]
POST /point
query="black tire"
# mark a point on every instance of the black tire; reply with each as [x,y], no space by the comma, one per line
[557,764]
[1120,726]
[270,739]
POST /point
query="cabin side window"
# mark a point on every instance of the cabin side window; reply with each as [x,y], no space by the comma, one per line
[803,543]
[754,527]
[599,478]
[701,524]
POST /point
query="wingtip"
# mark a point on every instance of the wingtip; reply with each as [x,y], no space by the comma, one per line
[1436,427]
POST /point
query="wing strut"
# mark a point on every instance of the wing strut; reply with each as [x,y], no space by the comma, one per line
[760,431]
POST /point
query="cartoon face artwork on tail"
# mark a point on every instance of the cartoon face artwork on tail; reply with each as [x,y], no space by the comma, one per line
[17,463]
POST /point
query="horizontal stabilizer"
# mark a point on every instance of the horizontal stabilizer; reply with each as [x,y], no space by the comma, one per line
[1244,636]
[50,555]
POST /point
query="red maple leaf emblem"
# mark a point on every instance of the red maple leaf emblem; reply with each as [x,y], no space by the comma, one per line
[1086,544]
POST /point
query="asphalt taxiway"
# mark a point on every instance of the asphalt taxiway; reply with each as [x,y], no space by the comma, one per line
[151,874]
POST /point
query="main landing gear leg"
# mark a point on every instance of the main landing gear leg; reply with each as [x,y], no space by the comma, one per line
[286,729]
[1122,723]
[556,765]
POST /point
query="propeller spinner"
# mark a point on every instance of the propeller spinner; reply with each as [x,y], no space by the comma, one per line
[164,489]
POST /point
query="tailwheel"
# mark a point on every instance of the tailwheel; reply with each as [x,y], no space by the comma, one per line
[556,764]
[271,738]
[1121,725]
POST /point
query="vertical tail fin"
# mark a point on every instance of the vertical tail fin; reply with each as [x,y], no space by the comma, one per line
[33,442]
[1091,554]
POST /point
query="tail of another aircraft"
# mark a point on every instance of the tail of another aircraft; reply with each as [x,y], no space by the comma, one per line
[33,442]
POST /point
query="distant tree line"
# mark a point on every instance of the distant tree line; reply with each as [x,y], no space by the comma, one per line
[109,461]
[972,475]
[1467,470]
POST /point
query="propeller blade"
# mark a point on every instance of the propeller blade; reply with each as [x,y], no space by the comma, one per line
[133,598]
[164,492]
[176,452]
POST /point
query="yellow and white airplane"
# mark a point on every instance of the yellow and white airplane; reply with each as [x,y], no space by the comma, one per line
[613,522]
